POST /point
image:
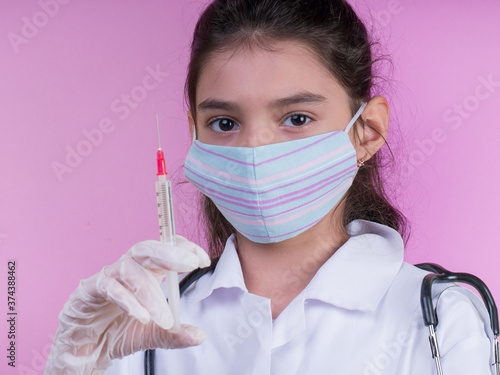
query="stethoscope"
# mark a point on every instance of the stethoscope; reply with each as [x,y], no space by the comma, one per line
[441,275]
[438,275]
[149,355]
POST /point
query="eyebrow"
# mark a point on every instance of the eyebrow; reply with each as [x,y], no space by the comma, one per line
[299,98]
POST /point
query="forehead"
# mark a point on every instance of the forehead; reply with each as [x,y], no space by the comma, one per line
[256,72]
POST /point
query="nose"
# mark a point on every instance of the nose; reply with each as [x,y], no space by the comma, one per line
[255,135]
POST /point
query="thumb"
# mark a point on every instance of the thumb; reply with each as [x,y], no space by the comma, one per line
[187,336]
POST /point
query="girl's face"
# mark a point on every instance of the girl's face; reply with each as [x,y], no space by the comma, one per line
[258,97]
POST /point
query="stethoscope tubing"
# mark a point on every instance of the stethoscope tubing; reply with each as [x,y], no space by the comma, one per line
[441,275]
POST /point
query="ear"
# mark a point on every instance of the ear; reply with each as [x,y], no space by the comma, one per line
[371,138]
[191,123]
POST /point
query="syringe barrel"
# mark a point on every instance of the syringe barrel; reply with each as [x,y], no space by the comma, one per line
[165,210]
[167,235]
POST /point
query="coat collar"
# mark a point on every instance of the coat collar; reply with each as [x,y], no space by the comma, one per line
[355,277]
[227,274]
[360,272]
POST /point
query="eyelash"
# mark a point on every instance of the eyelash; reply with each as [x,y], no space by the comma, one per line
[211,123]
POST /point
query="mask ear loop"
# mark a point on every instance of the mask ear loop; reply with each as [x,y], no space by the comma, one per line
[194,133]
[351,123]
[355,118]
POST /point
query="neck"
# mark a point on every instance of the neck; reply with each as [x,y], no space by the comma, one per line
[281,270]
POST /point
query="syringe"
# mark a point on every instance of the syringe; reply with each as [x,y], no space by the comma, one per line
[167,228]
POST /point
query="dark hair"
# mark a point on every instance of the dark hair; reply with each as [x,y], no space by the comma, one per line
[339,38]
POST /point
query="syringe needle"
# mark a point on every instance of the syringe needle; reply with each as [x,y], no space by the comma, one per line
[158,128]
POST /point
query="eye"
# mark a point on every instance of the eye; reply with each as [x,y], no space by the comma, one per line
[223,125]
[297,120]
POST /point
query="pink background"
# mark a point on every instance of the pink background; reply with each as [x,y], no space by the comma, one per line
[75,64]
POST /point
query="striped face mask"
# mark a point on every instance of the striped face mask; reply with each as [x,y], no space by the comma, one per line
[274,192]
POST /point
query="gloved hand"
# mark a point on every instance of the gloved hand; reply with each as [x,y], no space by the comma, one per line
[122,310]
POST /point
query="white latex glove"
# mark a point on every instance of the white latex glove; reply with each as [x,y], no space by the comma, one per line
[122,310]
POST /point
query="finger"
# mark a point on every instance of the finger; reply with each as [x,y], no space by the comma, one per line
[201,254]
[153,337]
[203,258]
[187,336]
[144,286]
[110,289]
[169,257]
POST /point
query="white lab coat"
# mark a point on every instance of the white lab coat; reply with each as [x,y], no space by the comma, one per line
[360,315]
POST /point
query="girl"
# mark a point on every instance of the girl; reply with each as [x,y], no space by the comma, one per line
[307,268]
